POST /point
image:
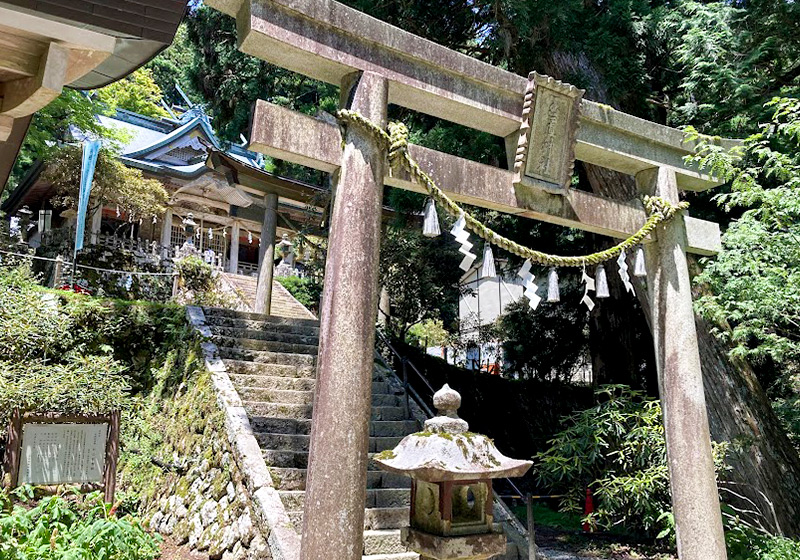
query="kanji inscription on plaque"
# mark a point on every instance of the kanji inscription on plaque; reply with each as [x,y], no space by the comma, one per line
[62,453]
[546,150]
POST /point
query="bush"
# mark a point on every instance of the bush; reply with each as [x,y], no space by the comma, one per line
[617,449]
[93,384]
[71,353]
[305,290]
[76,529]
[747,544]
[198,284]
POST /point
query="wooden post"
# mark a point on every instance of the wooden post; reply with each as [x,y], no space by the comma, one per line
[266,254]
[166,233]
[58,271]
[532,550]
[112,453]
[693,486]
[333,520]
[14,442]
[233,259]
[97,221]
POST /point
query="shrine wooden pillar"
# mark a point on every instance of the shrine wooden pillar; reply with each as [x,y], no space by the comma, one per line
[233,257]
[693,486]
[333,519]
[266,253]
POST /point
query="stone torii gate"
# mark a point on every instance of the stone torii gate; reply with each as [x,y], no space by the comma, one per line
[546,125]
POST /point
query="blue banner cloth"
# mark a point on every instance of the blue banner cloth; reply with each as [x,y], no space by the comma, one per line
[91,148]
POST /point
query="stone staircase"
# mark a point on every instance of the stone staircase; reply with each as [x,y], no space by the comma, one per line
[283,303]
[271,362]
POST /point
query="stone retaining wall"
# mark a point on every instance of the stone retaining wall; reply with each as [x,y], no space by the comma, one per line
[208,509]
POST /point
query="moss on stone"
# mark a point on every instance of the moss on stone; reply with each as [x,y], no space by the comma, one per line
[386,455]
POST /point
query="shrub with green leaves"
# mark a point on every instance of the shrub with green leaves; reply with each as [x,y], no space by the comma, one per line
[617,449]
[78,528]
[198,284]
[748,544]
[305,290]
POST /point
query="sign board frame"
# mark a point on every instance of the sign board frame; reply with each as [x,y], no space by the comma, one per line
[13,457]
[545,155]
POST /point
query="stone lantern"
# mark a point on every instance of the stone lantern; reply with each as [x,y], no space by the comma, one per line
[189,227]
[24,215]
[451,488]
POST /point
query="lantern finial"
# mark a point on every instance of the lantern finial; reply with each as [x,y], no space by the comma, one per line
[447,401]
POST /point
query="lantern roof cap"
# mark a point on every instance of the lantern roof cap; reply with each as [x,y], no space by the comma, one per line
[447,451]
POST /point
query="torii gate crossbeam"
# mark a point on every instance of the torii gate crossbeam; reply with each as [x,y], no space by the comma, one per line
[376,64]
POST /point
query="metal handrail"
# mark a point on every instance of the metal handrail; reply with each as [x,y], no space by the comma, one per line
[429,413]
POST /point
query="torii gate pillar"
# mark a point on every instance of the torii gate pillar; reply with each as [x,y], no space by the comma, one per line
[695,499]
[333,519]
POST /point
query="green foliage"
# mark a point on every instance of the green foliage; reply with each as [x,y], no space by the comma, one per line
[51,124]
[617,449]
[138,92]
[198,284]
[67,352]
[728,59]
[559,328]
[90,384]
[754,284]
[195,274]
[171,67]
[430,332]
[419,274]
[747,544]
[114,184]
[307,291]
[77,528]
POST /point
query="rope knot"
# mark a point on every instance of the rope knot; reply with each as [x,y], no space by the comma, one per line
[398,143]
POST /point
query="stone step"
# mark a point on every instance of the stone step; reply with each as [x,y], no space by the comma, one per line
[264,334]
[284,326]
[376,498]
[383,479]
[374,518]
[278,410]
[285,459]
[383,542]
[218,312]
[288,478]
[381,387]
[388,413]
[384,399]
[386,518]
[271,425]
[398,556]
[393,428]
[275,395]
[378,444]
[265,357]
[242,367]
[273,382]
[264,345]
[283,442]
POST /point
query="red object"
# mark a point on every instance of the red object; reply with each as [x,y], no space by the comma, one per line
[588,510]
[75,288]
